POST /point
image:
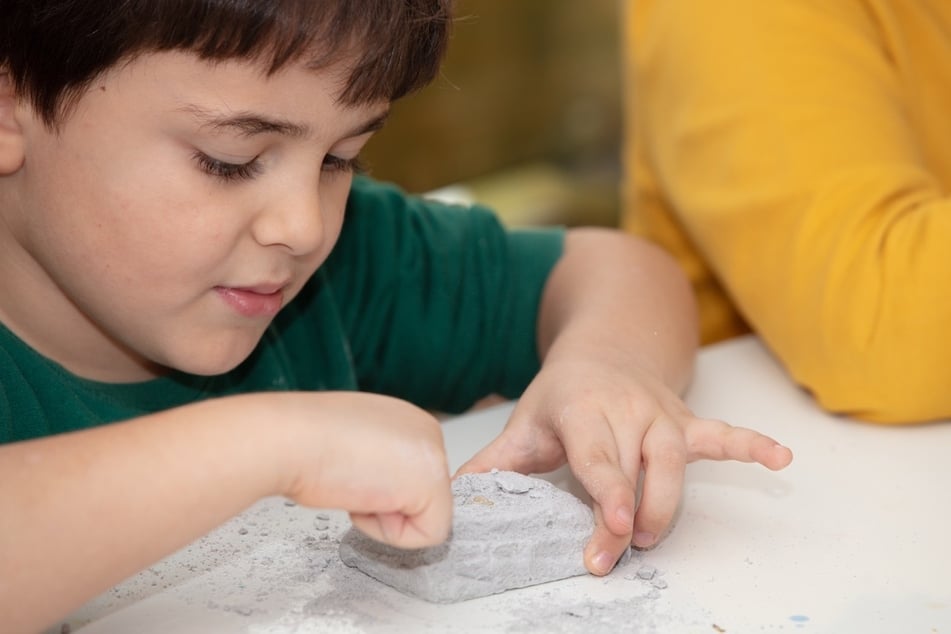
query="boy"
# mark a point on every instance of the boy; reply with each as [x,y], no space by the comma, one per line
[187,312]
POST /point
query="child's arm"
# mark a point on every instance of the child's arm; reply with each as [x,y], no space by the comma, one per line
[618,335]
[81,511]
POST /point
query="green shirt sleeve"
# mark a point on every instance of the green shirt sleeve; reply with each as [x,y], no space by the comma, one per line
[439,302]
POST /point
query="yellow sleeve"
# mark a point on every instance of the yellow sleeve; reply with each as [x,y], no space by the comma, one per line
[780,134]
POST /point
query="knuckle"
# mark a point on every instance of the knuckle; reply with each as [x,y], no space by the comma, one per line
[594,460]
[667,456]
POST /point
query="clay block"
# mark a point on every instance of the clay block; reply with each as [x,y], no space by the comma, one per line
[509,531]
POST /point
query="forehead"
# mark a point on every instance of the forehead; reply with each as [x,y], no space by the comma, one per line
[235,96]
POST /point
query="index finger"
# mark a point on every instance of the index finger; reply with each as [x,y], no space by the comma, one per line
[594,458]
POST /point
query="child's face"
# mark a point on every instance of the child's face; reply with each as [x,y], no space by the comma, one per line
[179,207]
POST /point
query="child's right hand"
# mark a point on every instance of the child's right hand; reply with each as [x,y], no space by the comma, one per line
[379,458]
[137,491]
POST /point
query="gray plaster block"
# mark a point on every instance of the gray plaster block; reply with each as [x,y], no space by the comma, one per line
[509,531]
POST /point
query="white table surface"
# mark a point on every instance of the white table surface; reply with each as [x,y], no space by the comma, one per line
[852,537]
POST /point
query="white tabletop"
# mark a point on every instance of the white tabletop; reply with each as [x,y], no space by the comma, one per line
[852,537]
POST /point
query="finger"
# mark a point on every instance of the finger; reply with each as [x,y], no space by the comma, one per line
[664,456]
[500,454]
[388,528]
[716,440]
[628,439]
[522,446]
[605,546]
[397,529]
[593,456]
[411,528]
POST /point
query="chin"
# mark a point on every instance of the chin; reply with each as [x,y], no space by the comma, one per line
[212,362]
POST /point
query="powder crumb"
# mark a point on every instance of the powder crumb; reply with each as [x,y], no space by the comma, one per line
[589,617]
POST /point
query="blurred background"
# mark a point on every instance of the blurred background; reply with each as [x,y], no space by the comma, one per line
[525,117]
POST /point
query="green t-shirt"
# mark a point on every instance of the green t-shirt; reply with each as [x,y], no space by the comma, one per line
[432,303]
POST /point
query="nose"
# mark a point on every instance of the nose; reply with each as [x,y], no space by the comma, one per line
[293,220]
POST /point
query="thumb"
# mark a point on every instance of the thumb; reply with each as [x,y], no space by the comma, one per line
[499,454]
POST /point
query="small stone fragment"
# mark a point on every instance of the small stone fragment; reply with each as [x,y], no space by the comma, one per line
[511,482]
[659,583]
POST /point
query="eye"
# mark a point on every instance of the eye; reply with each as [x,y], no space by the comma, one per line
[336,164]
[227,171]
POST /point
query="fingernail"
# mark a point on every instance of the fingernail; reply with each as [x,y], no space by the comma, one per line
[643,540]
[603,562]
[625,515]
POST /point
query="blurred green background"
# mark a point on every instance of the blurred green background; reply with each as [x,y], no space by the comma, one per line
[525,117]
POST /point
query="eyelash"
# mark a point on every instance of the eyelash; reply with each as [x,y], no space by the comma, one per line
[336,164]
[230,172]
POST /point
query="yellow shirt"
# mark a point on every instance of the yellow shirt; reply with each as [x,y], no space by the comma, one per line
[796,156]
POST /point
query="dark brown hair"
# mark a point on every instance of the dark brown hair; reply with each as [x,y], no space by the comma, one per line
[53,49]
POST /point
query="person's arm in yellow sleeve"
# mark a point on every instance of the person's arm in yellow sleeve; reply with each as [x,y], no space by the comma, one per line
[791,144]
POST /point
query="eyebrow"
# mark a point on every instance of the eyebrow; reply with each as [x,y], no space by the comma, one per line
[372,125]
[251,124]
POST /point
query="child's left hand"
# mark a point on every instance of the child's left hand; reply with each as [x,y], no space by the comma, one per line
[609,423]
[617,335]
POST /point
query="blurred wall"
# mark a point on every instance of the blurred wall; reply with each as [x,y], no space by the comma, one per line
[526,113]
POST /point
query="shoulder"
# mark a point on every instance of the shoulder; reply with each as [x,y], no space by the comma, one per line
[384,221]
[376,199]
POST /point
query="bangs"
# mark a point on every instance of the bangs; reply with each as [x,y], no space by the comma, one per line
[394,46]
[55,48]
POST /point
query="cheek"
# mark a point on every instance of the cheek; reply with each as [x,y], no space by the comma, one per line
[334,222]
[126,228]
[334,204]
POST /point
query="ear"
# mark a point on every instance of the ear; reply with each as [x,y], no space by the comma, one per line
[11,132]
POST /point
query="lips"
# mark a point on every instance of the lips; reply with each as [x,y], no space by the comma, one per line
[258,301]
